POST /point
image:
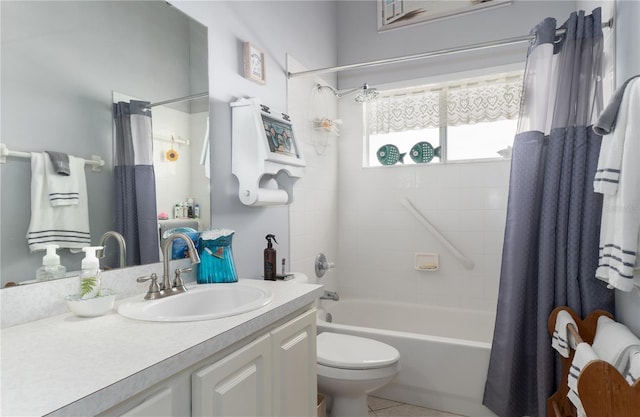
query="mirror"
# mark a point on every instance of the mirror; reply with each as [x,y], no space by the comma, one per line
[62,63]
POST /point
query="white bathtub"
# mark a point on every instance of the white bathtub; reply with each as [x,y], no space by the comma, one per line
[444,353]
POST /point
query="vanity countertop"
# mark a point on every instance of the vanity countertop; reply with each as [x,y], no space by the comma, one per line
[68,365]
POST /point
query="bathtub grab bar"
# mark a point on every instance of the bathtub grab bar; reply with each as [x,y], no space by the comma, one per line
[464,260]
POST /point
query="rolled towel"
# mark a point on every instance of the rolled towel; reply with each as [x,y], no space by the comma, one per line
[60,162]
[561,340]
[632,368]
[633,373]
[612,340]
[584,354]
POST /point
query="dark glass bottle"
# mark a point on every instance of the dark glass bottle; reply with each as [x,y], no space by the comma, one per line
[270,259]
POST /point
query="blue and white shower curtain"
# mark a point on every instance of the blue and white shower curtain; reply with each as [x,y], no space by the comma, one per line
[135,186]
[550,250]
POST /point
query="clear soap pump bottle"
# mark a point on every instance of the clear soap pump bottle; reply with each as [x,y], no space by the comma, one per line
[90,282]
[51,268]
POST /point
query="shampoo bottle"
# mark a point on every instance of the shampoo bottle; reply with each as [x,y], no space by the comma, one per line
[270,259]
[51,268]
[90,282]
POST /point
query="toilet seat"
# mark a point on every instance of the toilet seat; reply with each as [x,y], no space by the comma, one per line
[352,352]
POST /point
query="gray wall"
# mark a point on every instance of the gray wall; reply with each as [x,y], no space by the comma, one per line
[359,40]
[304,29]
[62,101]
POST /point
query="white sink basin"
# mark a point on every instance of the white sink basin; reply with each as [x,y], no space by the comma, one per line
[202,302]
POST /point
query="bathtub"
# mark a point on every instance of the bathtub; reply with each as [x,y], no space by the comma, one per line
[444,352]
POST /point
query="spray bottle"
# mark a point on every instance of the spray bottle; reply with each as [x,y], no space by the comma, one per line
[270,259]
[90,282]
[51,268]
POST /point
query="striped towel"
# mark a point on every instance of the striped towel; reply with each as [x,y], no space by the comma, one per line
[561,340]
[584,355]
[617,178]
[64,190]
[65,226]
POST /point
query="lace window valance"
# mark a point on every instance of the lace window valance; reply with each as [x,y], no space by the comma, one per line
[474,101]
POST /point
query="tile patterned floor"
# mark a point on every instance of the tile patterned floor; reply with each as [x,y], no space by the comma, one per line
[380,407]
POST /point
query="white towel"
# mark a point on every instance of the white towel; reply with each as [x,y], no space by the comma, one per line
[65,226]
[612,340]
[562,340]
[64,190]
[632,373]
[618,178]
[584,354]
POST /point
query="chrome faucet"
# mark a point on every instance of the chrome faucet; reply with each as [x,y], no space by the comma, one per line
[330,295]
[165,288]
[121,245]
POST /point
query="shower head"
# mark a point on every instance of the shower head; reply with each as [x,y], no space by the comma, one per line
[364,93]
[367,94]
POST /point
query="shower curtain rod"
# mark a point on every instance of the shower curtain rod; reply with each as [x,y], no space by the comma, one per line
[178,100]
[441,52]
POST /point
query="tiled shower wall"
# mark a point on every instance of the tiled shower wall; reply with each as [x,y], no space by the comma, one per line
[313,216]
[378,237]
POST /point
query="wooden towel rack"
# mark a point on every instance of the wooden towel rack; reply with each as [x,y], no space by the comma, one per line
[603,390]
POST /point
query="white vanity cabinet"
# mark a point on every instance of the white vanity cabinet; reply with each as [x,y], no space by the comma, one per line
[274,375]
[171,398]
[294,369]
[237,385]
[159,405]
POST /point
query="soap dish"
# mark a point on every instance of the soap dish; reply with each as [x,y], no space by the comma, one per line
[92,307]
[427,262]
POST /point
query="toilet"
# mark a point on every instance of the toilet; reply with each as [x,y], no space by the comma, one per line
[350,367]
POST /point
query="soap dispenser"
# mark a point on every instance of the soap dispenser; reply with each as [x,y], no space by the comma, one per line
[90,282]
[270,259]
[51,268]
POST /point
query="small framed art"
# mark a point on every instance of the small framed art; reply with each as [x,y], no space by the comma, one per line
[254,65]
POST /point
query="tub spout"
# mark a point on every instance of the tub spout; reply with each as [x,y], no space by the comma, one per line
[330,295]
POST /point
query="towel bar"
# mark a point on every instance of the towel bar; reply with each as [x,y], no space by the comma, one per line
[96,162]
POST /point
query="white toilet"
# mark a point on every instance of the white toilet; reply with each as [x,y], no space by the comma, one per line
[350,367]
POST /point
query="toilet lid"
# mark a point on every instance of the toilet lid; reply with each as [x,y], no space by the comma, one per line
[353,352]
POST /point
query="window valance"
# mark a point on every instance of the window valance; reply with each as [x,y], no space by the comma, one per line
[468,102]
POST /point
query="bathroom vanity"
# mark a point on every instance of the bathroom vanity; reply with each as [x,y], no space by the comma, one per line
[260,363]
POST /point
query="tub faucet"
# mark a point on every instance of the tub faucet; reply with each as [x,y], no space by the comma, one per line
[330,295]
[122,246]
[165,288]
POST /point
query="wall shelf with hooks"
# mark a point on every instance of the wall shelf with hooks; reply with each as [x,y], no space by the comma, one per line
[264,150]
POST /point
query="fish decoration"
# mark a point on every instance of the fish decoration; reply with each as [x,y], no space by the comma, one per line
[423,152]
[390,155]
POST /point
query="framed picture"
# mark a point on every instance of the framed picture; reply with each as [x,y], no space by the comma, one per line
[398,13]
[254,66]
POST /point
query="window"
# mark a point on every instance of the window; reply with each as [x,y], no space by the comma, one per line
[470,119]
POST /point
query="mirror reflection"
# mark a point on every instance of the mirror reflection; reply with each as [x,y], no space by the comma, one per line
[63,65]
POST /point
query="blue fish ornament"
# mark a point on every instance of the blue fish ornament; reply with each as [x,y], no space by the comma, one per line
[390,155]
